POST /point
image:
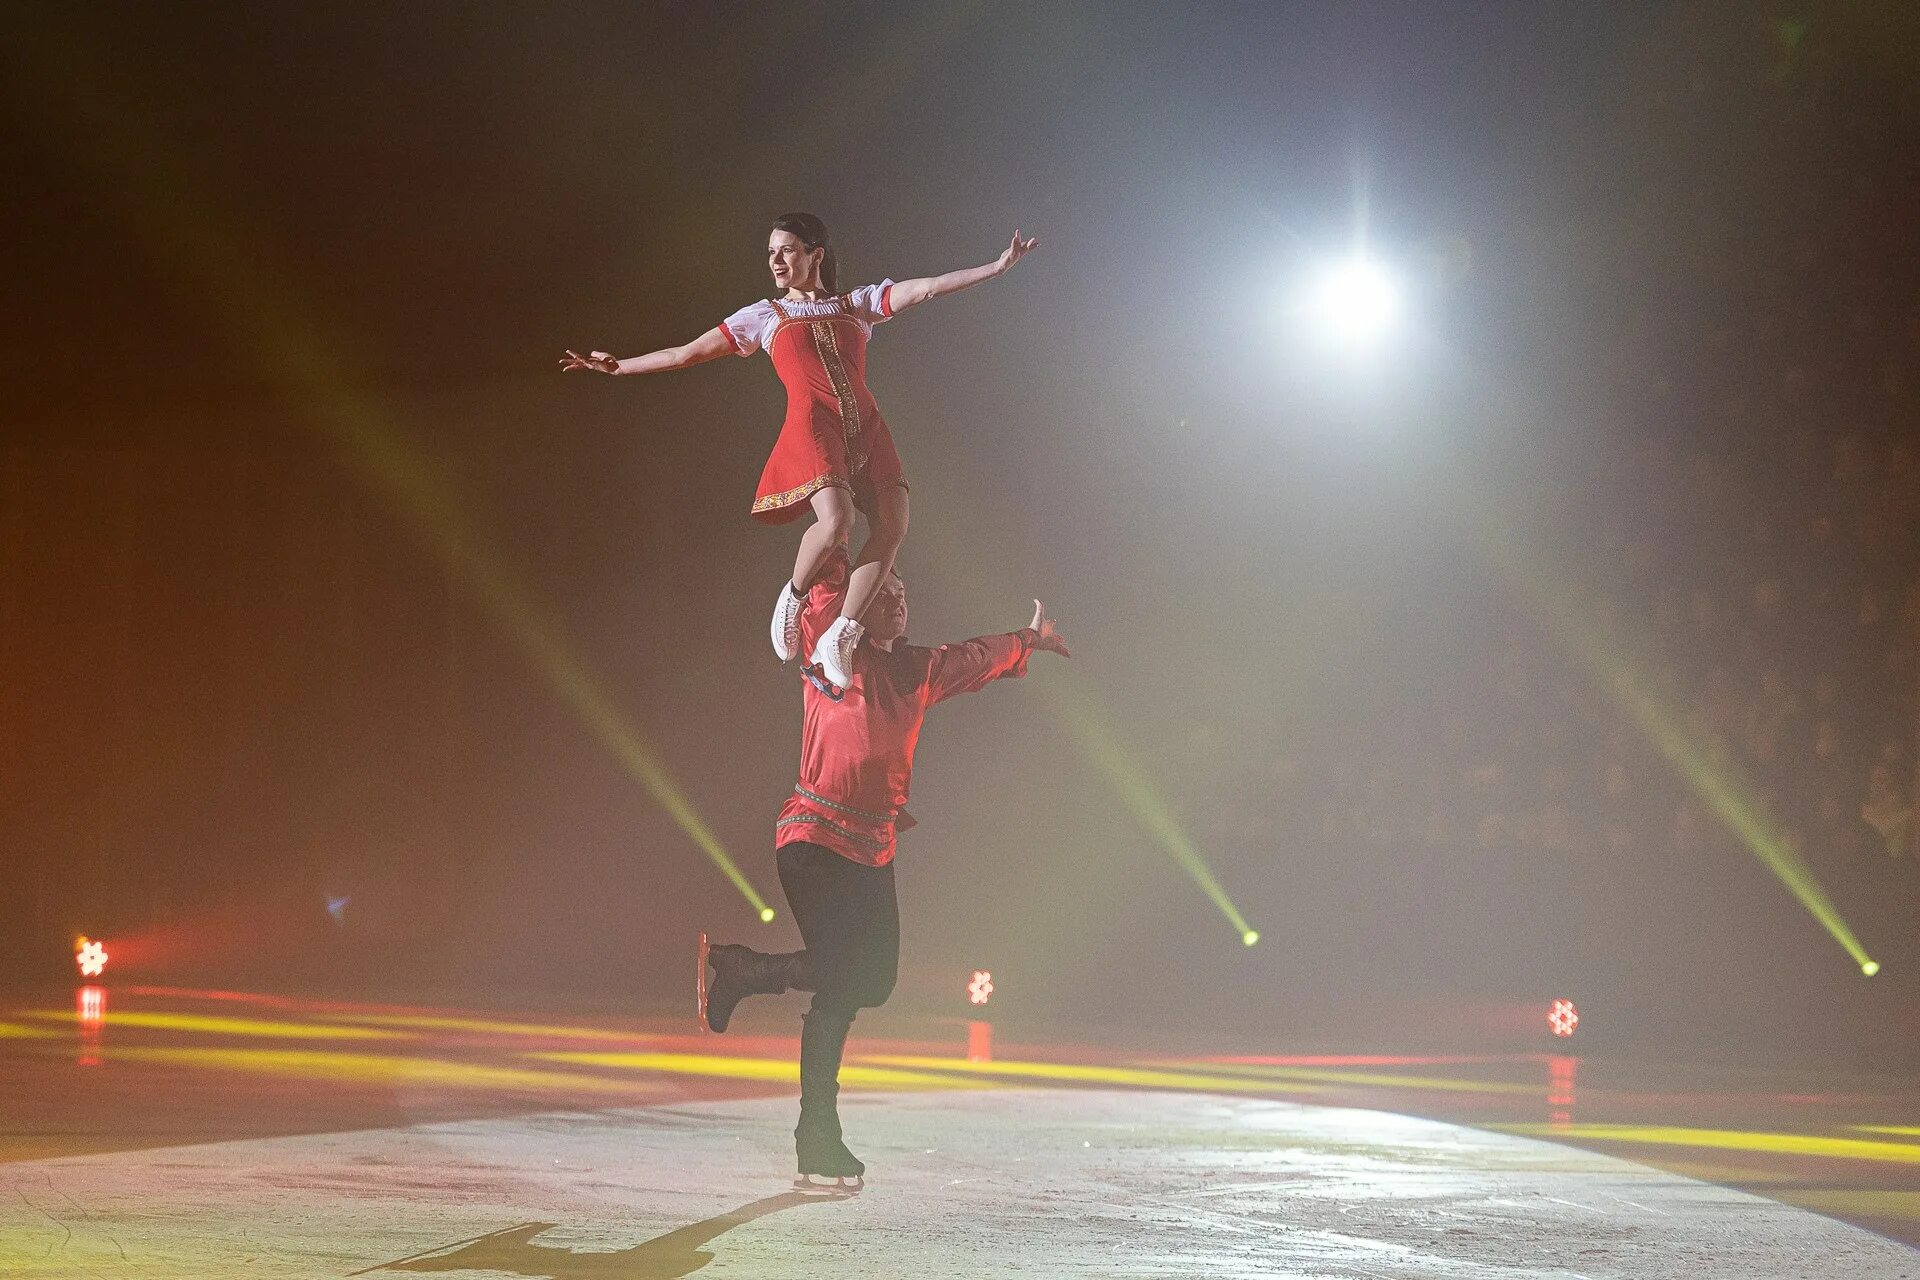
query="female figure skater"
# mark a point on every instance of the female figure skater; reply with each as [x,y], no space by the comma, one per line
[835,453]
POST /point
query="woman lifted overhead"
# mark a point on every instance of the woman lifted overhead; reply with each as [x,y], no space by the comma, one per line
[835,453]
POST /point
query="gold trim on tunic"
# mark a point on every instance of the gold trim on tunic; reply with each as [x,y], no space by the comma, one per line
[805,794]
[834,827]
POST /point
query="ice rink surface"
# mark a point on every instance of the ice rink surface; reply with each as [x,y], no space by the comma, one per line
[965,1183]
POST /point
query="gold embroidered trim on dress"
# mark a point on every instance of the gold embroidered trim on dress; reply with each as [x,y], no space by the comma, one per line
[805,794]
[787,319]
[807,490]
[834,827]
[828,349]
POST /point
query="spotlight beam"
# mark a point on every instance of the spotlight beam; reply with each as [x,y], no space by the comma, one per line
[213,251]
[1086,720]
[1608,655]
[1079,709]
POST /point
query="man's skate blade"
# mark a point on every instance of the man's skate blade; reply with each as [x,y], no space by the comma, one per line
[818,679]
[839,1188]
[700,984]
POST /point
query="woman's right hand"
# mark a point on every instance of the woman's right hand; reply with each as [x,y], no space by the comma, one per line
[593,362]
[1016,249]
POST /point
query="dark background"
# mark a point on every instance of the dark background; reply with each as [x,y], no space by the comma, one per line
[288,482]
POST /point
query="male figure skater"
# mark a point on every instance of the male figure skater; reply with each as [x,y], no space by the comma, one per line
[835,838]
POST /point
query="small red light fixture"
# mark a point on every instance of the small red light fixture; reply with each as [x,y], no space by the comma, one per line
[980,987]
[1562,1018]
[91,956]
[90,1012]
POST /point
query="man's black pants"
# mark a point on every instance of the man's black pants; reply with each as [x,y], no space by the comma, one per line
[849,919]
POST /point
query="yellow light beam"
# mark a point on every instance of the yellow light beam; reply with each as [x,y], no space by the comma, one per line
[1091,727]
[1855,1204]
[490,1026]
[1609,657]
[1080,709]
[744,1068]
[1371,1079]
[204,1025]
[215,253]
[371,1068]
[1789,1144]
[1081,1073]
[1734,803]
[19,1031]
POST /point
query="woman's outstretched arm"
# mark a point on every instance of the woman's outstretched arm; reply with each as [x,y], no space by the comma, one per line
[710,345]
[911,293]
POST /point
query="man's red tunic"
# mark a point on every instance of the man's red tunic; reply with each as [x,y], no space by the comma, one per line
[856,755]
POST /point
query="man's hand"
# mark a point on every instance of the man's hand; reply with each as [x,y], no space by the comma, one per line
[1046,637]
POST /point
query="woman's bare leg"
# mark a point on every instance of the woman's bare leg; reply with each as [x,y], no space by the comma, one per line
[832,527]
[888,531]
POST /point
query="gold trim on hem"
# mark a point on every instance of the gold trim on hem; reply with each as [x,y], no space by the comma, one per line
[774,501]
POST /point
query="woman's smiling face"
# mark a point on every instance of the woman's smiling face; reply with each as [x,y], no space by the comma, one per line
[794,266]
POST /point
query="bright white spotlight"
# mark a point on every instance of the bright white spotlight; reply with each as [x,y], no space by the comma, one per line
[1355,300]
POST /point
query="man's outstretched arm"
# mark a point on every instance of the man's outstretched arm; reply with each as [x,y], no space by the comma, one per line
[969,667]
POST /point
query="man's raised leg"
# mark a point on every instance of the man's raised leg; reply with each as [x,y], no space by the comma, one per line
[739,972]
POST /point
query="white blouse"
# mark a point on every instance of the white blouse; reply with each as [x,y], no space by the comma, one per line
[751,328]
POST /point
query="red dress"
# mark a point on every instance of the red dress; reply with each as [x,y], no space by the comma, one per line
[856,754]
[833,433]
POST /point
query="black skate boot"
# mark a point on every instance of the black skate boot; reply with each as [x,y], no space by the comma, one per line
[822,1154]
[739,972]
[816,1139]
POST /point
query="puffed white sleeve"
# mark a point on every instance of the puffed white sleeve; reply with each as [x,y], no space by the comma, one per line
[749,328]
[872,303]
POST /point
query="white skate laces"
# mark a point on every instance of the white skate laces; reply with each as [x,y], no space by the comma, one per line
[786,623]
[834,653]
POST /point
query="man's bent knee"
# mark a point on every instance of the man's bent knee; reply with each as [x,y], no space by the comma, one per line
[838,1005]
[874,994]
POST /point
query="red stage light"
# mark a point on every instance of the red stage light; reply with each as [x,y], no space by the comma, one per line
[1562,1018]
[90,1012]
[980,987]
[90,956]
[979,1041]
[1563,1074]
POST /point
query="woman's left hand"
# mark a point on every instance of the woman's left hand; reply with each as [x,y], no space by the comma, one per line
[1016,250]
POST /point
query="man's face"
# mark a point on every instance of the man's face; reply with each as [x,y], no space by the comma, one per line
[886,619]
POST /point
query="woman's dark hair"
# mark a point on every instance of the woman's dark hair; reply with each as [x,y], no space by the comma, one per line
[813,233]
